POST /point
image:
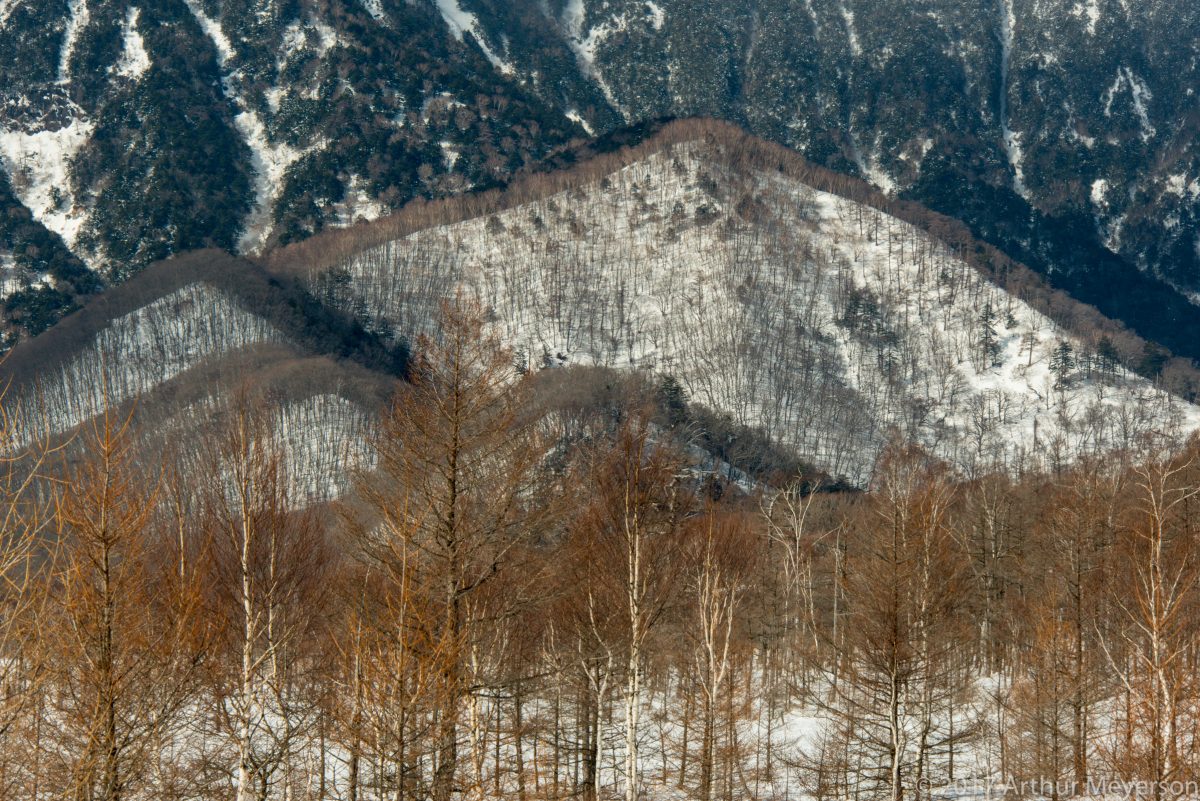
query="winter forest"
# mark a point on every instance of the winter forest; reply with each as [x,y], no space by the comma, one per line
[525,600]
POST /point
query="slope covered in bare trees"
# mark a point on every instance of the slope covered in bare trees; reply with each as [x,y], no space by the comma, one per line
[539,600]
[821,318]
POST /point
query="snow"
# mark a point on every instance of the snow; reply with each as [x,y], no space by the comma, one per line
[1011,139]
[648,270]
[1140,95]
[270,162]
[76,22]
[658,17]
[326,36]
[358,205]
[1090,12]
[7,7]
[574,116]
[585,43]
[374,8]
[462,22]
[868,167]
[851,31]
[39,164]
[274,97]
[1016,157]
[212,29]
[134,59]
[1099,190]
[1181,186]
[450,155]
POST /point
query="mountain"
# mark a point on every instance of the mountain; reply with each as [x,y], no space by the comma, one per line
[1063,132]
[785,298]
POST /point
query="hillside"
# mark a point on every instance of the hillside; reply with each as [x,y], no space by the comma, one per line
[1063,132]
[179,344]
[828,323]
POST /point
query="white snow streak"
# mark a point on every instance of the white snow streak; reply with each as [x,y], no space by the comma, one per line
[212,29]
[584,44]
[1139,95]
[1012,139]
[851,31]
[1093,15]
[270,162]
[574,116]
[39,164]
[134,59]
[75,25]
[462,22]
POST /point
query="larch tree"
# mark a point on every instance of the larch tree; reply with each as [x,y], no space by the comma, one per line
[446,512]
[125,655]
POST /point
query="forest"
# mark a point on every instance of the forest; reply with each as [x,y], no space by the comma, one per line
[519,599]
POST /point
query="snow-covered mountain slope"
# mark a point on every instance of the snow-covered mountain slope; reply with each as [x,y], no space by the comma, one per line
[177,347]
[1063,132]
[823,320]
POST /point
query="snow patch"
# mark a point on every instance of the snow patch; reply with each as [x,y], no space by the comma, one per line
[78,20]
[1012,139]
[274,97]
[270,162]
[39,165]
[7,7]
[574,116]
[1090,12]
[658,17]
[212,29]
[851,31]
[374,8]
[450,154]
[584,44]
[1180,186]
[327,38]
[1099,190]
[462,22]
[134,59]
[358,205]
[1016,157]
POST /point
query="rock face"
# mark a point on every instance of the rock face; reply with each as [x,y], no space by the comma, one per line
[1064,131]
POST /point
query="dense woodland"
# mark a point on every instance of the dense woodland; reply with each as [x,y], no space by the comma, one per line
[527,604]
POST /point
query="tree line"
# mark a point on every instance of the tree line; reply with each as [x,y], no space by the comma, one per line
[542,601]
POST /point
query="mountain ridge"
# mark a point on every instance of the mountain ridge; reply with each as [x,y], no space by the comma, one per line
[1056,131]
